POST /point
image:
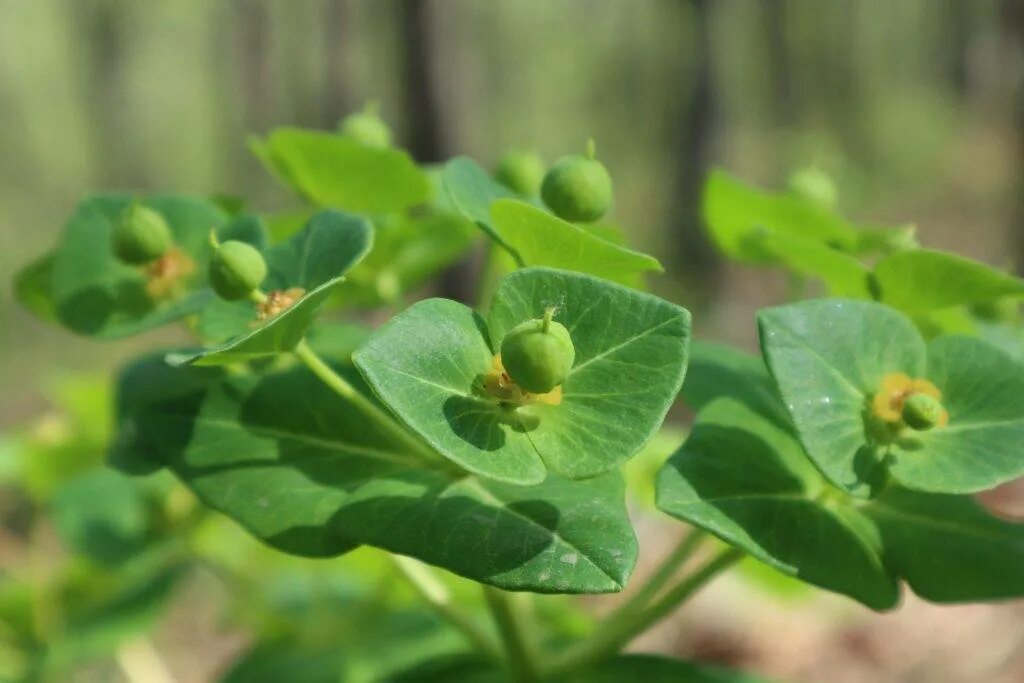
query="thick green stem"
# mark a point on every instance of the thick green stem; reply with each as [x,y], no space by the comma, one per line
[340,385]
[617,632]
[438,598]
[519,648]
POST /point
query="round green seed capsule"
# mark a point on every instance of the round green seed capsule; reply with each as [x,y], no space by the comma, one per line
[141,236]
[522,172]
[921,412]
[816,185]
[538,354]
[578,188]
[367,127]
[236,270]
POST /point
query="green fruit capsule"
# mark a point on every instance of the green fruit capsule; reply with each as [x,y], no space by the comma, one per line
[522,172]
[236,270]
[538,354]
[141,236]
[578,188]
[921,412]
[367,127]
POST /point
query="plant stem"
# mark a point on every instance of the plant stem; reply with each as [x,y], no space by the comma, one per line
[437,597]
[341,386]
[662,575]
[519,650]
[617,632]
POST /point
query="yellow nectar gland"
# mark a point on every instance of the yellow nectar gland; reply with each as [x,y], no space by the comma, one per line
[278,302]
[499,385]
[897,387]
[167,272]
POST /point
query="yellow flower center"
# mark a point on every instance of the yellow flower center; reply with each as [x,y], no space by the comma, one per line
[277,302]
[897,387]
[167,273]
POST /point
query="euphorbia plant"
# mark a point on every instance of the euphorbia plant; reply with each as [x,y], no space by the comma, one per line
[487,440]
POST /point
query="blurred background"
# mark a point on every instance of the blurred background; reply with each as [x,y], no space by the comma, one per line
[916,108]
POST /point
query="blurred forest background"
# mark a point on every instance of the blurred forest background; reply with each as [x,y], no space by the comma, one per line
[915,107]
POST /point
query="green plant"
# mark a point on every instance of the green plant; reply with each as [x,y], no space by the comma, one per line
[489,441]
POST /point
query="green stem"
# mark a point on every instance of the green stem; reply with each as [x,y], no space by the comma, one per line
[438,598]
[616,634]
[340,385]
[519,651]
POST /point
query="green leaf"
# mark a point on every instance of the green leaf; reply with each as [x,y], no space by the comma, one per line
[303,471]
[428,365]
[658,669]
[829,359]
[472,190]
[737,216]
[33,287]
[983,390]
[921,280]
[843,274]
[744,479]
[406,251]
[101,514]
[747,481]
[314,260]
[541,239]
[948,548]
[334,171]
[718,371]
[97,295]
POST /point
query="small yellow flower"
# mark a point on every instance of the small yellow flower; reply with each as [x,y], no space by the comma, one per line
[167,273]
[499,385]
[887,403]
[277,302]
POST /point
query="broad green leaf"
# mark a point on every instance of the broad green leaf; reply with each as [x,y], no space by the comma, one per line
[737,215]
[747,481]
[541,239]
[314,260]
[406,251]
[429,363]
[97,295]
[101,514]
[948,548]
[334,171]
[33,287]
[718,371]
[983,390]
[843,274]
[337,341]
[830,358]
[472,190]
[306,473]
[921,280]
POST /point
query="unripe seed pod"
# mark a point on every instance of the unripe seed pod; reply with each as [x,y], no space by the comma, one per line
[921,412]
[141,236]
[367,127]
[816,185]
[578,188]
[236,270]
[522,172]
[538,354]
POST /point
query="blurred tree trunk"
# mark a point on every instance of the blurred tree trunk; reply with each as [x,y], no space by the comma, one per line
[102,23]
[780,72]
[337,99]
[426,139]
[1013,18]
[694,252]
